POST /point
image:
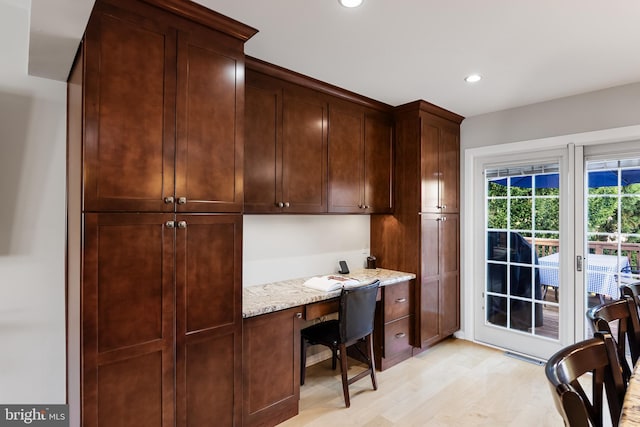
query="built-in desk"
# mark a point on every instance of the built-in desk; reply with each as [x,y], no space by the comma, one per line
[273,314]
[270,297]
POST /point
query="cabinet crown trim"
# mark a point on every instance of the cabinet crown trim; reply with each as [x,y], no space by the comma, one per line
[202,15]
[430,108]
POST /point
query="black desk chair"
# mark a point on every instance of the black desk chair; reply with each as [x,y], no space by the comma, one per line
[354,325]
[597,355]
[623,314]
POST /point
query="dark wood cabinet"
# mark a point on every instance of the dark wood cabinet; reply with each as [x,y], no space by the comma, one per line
[440,165]
[155,161]
[285,146]
[394,325]
[208,309]
[314,148]
[360,160]
[271,367]
[163,130]
[422,236]
[127,320]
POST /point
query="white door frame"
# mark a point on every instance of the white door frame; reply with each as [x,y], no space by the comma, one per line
[469,244]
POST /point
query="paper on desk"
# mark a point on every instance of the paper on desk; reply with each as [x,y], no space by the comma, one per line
[330,283]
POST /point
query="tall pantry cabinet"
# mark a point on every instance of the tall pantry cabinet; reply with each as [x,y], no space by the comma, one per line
[422,236]
[155,155]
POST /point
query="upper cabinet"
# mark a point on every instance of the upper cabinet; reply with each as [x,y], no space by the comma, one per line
[313,148]
[154,140]
[440,164]
[360,160]
[285,147]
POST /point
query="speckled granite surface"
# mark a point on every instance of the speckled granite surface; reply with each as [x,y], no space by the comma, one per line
[261,299]
[631,407]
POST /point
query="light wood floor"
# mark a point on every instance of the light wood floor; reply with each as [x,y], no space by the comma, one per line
[456,383]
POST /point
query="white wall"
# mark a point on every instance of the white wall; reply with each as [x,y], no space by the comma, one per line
[281,247]
[32,222]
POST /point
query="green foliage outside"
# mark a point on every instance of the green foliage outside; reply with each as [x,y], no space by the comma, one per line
[525,209]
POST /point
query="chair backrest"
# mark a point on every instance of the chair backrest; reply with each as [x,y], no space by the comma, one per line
[357,311]
[597,355]
[632,290]
[624,314]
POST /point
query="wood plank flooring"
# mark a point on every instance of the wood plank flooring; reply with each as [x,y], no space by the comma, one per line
[455,383]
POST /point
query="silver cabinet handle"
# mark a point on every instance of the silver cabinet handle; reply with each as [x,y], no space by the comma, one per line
[441,206]
[444,218]
[400,335]
[298,315]
[182,200]
[286,204]
[401,300]
[280,205]
[170,224]
[168,200]
[182,224]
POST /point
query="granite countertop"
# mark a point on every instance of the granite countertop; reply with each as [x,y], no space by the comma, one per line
[262,299]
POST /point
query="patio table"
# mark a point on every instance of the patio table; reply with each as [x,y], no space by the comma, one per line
[602,272]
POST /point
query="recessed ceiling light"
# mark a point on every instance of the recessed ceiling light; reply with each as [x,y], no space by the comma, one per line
[350,3]
[472,78]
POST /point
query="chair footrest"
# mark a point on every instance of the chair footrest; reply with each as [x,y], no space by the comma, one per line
[360,376]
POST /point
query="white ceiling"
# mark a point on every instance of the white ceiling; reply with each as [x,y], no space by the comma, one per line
[397,51]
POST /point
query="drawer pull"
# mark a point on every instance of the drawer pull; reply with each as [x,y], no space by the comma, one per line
[400,335]
[401,300]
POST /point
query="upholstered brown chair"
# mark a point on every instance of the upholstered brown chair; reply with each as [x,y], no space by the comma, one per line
[354,325]
[622,315]
[599,356]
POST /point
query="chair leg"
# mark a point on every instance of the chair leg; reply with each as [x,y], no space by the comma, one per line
[344,369]
[303,359]
[334,357]
[372,363]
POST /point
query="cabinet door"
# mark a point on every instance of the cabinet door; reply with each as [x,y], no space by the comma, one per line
[127,320]
[304,152]
[346,174]
[429,167]
[440,165]
[428,315]
[449,161]
[378,161]
[271,367]
[208,319]
[263,149]
[210,109]
[449,274]
[129,113]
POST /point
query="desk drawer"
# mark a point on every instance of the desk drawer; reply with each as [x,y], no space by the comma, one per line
[397,336]
[397,301]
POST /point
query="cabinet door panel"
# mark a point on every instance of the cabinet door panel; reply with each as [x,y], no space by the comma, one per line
[271,367]
[304,153]
[346,139]
[209,147]
[450,169]
[263,154]
[209,268]
[210,386]
[129,122]
[450,292]
[127,318]
[430,169]
[378,161]
[208,319]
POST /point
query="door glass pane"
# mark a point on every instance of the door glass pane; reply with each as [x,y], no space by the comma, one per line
[613,227]
[522,235]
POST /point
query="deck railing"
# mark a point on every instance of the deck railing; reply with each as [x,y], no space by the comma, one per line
[546,247]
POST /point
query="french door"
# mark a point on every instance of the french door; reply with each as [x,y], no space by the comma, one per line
[520,240]
[555,232]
